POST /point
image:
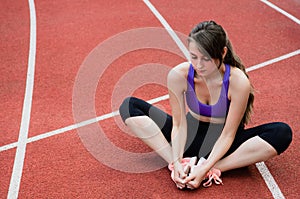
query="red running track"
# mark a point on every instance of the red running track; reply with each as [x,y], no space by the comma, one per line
[67,31]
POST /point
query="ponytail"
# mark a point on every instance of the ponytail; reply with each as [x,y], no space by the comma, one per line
[232,59]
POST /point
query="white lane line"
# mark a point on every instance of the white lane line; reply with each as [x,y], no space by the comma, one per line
[268,178]
[15,180]
[72,127]
[169,29]
[270,181]
[8,146]
[271,61]
[281,11]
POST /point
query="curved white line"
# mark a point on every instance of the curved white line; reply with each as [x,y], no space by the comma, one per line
[23,133]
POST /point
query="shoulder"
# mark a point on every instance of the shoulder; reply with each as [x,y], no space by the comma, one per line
[177,75]
[239,82]
[179,72]
[181,69]
[238,76]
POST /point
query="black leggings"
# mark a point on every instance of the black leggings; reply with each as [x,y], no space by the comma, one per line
[201,136]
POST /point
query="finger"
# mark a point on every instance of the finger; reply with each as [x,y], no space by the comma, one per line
[179,183]
[186,169]
[180,186]
[189,178]
[189,187]
[179,180]
[176,175]
[194,184]
[182,174]
[172,175]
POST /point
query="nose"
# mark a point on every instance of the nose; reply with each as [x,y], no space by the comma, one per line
[199,64]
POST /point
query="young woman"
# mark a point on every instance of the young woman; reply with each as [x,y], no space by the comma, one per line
[219,98]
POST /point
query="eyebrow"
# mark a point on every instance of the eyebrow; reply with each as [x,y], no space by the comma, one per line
[193,54]
[203,56]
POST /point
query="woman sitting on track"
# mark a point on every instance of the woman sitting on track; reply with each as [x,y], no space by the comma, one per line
[219,96]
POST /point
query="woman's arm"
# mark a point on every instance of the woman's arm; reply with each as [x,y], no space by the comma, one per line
[176,87]
[238,93]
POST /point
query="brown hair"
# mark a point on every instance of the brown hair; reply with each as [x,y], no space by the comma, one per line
[212,39]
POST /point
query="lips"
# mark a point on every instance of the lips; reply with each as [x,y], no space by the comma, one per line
[200,71]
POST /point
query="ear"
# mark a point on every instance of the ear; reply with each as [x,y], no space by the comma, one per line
[225,49]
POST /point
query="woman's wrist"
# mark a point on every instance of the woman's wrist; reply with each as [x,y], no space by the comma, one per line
[176,160]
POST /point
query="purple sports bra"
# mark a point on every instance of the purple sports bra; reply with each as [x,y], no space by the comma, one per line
[218,110]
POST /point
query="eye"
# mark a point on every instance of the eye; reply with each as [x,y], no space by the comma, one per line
[206,59]
[193,56]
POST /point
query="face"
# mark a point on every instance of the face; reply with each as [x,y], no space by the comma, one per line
[202,64]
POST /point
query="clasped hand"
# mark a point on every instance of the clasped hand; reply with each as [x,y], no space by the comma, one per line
[187,174]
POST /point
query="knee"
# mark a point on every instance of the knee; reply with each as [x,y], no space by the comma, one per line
[284,135]
[124,108]
[124,104]
[285,132]
[132,106]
